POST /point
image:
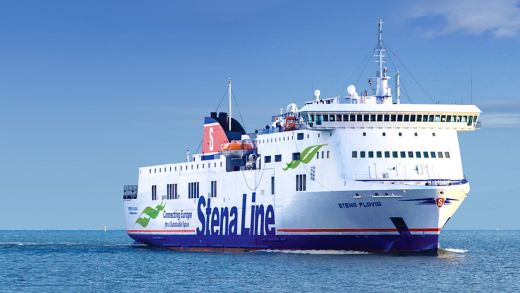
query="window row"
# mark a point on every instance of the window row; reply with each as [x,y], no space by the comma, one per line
[301,182]
[171,191]
[154,192]
[400,154]
[184,167]
[213,192]
[318,118]
[193,190]
[277,158]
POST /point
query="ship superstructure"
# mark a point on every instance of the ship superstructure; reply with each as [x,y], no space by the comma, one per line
[354,172]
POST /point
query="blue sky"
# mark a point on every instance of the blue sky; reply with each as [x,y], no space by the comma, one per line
[90,91]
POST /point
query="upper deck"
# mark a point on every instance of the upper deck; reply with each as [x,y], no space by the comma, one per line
[336,115]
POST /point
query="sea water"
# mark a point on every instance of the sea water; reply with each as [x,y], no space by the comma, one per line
[98,261]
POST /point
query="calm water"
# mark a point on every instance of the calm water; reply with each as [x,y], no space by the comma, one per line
[89,261]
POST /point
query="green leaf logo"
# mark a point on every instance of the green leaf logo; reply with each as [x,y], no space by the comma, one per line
[149,213]
[305,157]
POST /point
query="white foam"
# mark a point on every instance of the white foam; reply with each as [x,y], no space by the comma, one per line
[316,252]
[455,250]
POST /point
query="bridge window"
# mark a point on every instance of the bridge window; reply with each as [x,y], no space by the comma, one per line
[354,154]
[395,154]
[393,118]
[403,154]
[359,117]
[379,118]
[379,154]
[447,155]
[325,118]
[440,155]
[431,119]
[370,154]
[345,117]
[267,159]
[399,117]
[362,154]
[278,158]
[426,155]
[412,118]
[331,118]
[386,117]
[373,117]
[406,118]
[419,118]
[387,154]
[338,117]
[410,154]
[433,155]
[366,117]
[418,155]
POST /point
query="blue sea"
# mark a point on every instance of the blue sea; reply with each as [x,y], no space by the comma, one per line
[98,261]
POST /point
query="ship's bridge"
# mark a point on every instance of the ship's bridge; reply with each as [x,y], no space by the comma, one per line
[337,115]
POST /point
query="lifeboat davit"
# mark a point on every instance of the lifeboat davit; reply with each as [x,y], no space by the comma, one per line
[237,148]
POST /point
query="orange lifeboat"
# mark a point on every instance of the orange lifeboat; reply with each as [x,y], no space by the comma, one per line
[237,148]
[290,123]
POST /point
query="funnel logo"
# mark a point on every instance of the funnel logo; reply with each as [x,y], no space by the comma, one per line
[440,201]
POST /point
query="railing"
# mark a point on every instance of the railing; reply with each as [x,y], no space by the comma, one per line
[426,182]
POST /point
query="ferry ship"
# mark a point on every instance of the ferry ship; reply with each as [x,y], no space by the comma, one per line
[358,172]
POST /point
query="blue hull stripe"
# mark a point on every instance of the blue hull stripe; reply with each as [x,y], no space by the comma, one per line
[371,243]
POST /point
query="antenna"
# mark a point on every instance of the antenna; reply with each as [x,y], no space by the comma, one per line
[380,50]
[229,104]
[471,87]
[398,87]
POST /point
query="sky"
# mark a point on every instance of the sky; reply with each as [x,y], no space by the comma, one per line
[92,90]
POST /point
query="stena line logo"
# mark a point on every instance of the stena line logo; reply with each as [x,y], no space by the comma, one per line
[226,221]
[211,143]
